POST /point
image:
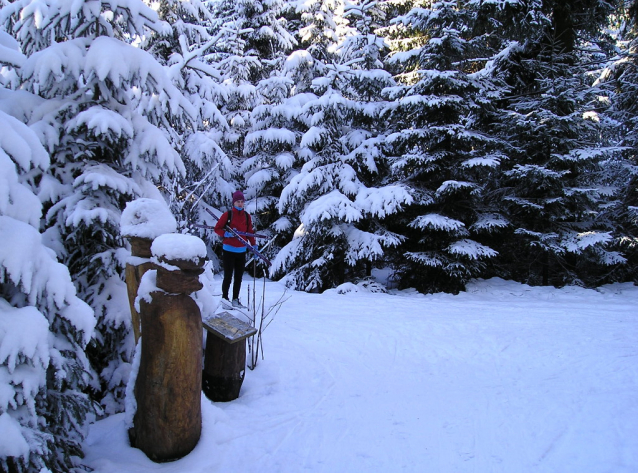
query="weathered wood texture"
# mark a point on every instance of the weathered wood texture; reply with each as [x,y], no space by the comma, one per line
[225,356]
[179,275]
[178,281]
[224,368]
[167,423]
[133,277]
[141,248]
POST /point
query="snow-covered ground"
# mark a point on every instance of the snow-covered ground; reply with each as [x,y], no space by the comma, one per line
[502,378]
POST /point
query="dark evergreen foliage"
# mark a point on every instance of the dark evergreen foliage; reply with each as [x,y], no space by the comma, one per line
[551,184]
[621,80]
[439,151]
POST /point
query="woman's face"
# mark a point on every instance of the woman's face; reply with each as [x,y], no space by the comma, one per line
[239,204]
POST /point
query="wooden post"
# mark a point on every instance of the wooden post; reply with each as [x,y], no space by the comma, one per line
[167,422]
[225,357]
[142,221]
[140,251]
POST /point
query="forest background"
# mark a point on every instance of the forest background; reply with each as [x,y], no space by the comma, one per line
[446,140]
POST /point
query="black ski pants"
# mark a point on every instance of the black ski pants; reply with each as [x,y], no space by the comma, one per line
[234,264]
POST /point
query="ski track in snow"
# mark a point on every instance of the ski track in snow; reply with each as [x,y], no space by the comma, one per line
[502,379]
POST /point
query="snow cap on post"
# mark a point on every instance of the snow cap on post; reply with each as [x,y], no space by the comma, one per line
[176,246]
[238,195]
[180,261]
[147,218]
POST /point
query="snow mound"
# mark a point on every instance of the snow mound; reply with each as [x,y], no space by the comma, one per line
[365,286]
[175,246]
[147,218]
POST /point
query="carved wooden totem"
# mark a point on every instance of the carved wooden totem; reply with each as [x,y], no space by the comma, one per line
[167,422]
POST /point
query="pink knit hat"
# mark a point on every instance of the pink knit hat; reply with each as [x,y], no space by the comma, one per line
[238,195]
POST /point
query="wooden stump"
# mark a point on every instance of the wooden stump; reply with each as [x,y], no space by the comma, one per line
[167,423]
[224,369]
[225,357]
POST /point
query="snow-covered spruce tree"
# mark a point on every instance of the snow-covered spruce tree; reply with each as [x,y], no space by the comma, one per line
[44,327]
[261,171]
[621,79]
[272,146]
[106,122]
[238,65]
[322,26]
[552,186]
[437,147]
[339,199]
[188,53]
[317,32]
[268,149]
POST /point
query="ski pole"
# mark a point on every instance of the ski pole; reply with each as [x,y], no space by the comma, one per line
[209,227]
[242,240]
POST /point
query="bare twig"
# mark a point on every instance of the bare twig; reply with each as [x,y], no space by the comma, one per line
[261,323]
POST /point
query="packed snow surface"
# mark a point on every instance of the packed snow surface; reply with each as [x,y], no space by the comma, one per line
[502,378]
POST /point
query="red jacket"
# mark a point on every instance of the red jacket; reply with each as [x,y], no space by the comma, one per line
[242,221]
